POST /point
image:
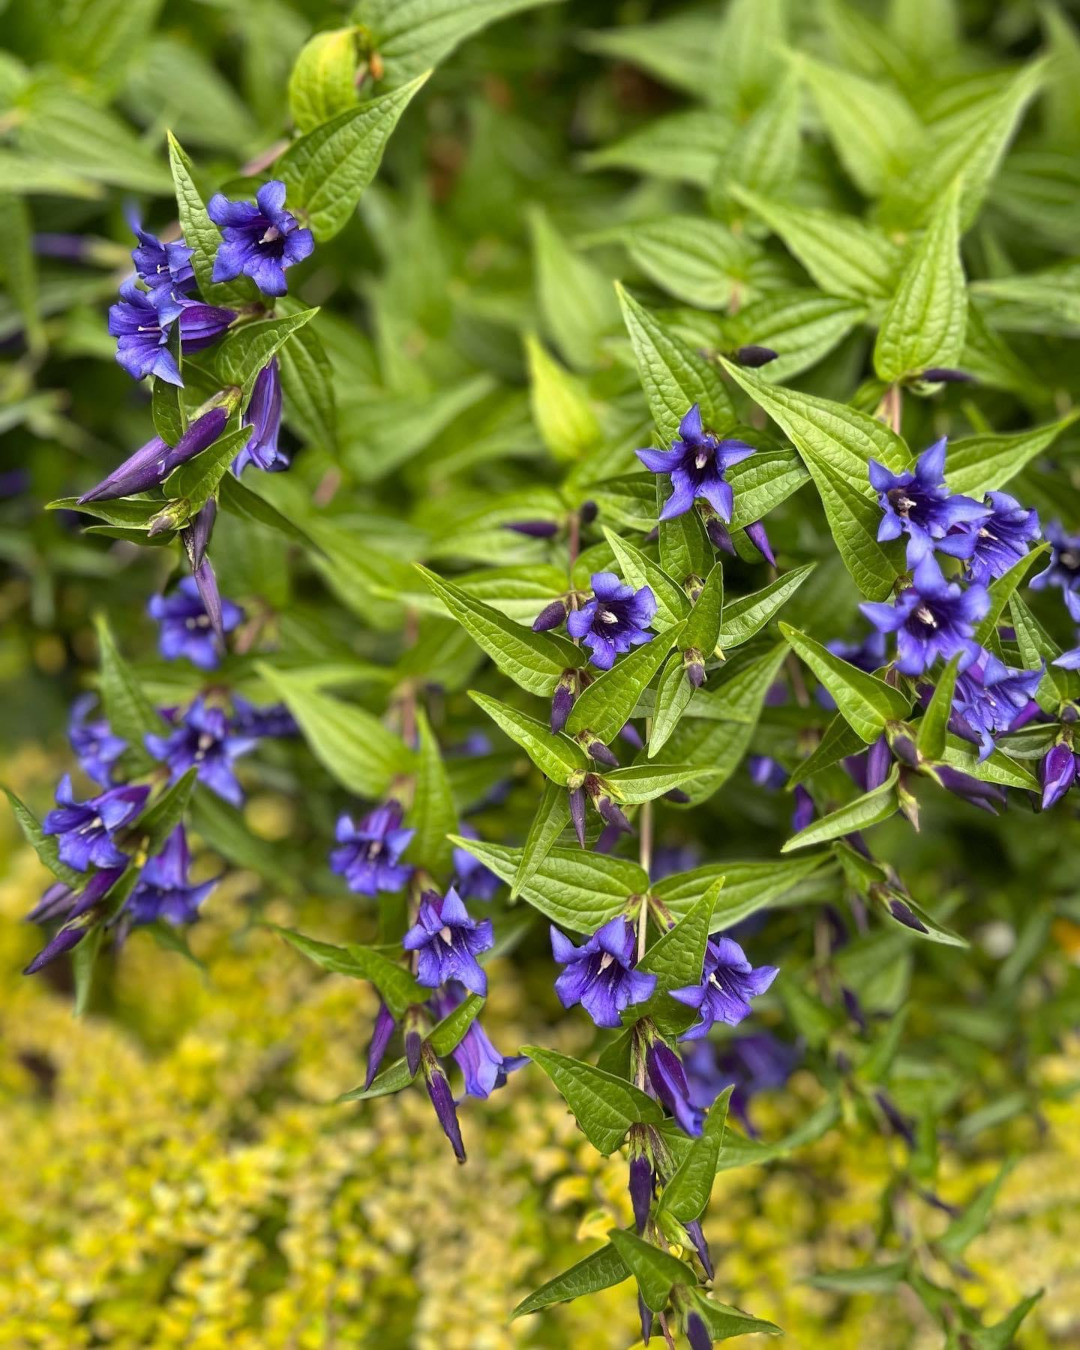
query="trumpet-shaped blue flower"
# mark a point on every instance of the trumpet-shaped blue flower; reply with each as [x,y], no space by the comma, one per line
[259,241]
[93,741]
[1001,538]
[141,331]
[931,618]
[367,853]
[263,416]
[697,462]
[206,740]
[164,890]
[990,697]
[186,627]
[447,941]
[614,620]
[1064,567]
[600,974]
[919,505]
[728,983]
[85,830]
[163,267]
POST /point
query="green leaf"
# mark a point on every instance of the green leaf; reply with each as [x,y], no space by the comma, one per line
[535,661]
[687,1193]
[246,504]
[166,411]
[676,958]
[1001,590]
[391,1080]
[935,721]
[748,615]
[196,481]
[201,234]
[352,745]
[682,146]
[23,176]
[552,817]
[446,1034]
[926,320]
[556,756]
[1002,1335]
[673,695]
[802,326]
[763,156]
[982,464]
[578,890]
[600,1270]
[98,39]
[656,1272]
[323,79]
[83,960]
[838,742]
[875,1279]
[723,1321]
[432,814]
[245,350]
[130,713]
[869,809]
[62,128]
[700,261]
[762,482]
[307,382]
[575,298]
[644,782]
[748,886]
[703,626]
[326,171]
[606,705]
[560,405]
[974,1217]
[223,827]
[672,602]
[1036,645]
[673,375]
[867,702]
[44,845]
[685,550]
[398,988]
[167,812]
[604,1106]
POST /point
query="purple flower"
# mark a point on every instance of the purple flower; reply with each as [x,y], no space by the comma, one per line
[728,983]
[94,744]
[186,629]
[384,1028]
[60,901]
[258,241]
[600,975]
[68,937]
[274,721]
[483,1067]
[163,890]
[919,504]
[667,1079]
[263,415]
[442,1099]
[163,267]
[868,655]
[697,1333]
[932,618]
[367,853]
[749,1064]
[472,879]
[766,772]
[1058,773]
[642,1184]
[141,333]
[86,829]
[990,696]
[1064,567]
[150,465]
[697,463]
[1002,538]
[206,739]
[201,325]
[614,620]
[447,942]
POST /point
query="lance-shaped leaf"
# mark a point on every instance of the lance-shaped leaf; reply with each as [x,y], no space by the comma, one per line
[326,171]
[672,374]
[604,1106]
[748,886]
[578,890]
[1001,591]
[764,481]
[323,79]
[600,1270]
[643,782]
[981,464]
[687,1193]
[915,920]
[535,661]
[432,814]
[607,704]
[869,809]
[682,146]
[1002,1335]
[974,1217]
[838,742]
[722,1321]
[554,755]
[673,695]
[656,1272]
[879,1278]
[748,615]
[703,626]
[1036,646]
[397,987]
[201,234]
[685,550]
[699,261]
[46,846]
[672,602]
[935,720]
[245,350]
[997,767]
[391,1080]
[196,481]
[867,702]
[129,711]
[448,1033]
[351,744]
[552,817]
[802,326]
[764,153]
[924,325]
[561,409]
[676,960]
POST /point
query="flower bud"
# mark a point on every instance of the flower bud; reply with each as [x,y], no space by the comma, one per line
[414,1028]
[380,1038]
[754,356]
[1058,773]
[697,1333]
[551,616]
[534,529]
[755,532]
[694,665]
[719,535]
[442,1099]
[641,1183]
[563,699]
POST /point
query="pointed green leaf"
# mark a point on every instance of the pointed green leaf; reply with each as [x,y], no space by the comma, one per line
[560,404]
[167,812]
[552,817]
[391,1080]
[763,156]
[676,958]
[869,809]
[600,1270]
[323,79]
[606,705]
[744,617]
[762,482]
[83,960]
[703,626]
[575,297]
[604,1106]
[673,695]
[802,326]
[196,481]
[44,845]
[1037,646]
[687,1193]
[672,602]
[201,234]
[446,1034]
[981,464]
[867,702]
[432,813]
[130,713]
[245,350]
[656,1272]
[935,720]
[748,886]
[685,550]
[723,1321]
[556,756]
[838,742]
[644,782]
[397,987]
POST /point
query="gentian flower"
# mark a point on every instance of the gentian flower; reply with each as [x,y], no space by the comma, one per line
[447,942]
[206,739]
[472,880]
[86,829]
[697,462]
[163,267]
[990,696]
[142,332]
[274,721]
[614,620]
[384,1028]
[667,1080]
[697,1333]
[483,1067]
[201,325]
[1064,567]
[728,983]
[748,1064]
[259,241]
[919,504]
[600,975]
[186,628]
[93,742]
[766,773]
[163,890]
[68,937]
[60,901]
[263,415]
[150,465]
[868,655]
[932,618]
[1002,538]
[1058,773]
[442,1099]
[367,854]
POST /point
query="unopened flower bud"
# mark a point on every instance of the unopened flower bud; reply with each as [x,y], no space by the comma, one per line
[754,356]
[1058,773]
[551,616]
[694,664]
[442,1099]
[563,699]
[755,532]
[534,529]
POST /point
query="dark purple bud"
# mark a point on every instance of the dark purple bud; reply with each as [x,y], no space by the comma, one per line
[201,325]
[898,1123]
[878,763]
[587,514]
[210,596]
[641,1189]
[152,464]
[414,1039]
[612,814]
[442,1099]
[902,914]
[697,1237]
[535,529]
[694,664]
[551,616]
[380,1038]
[677,795]
[632,736]
[53,903]
[668,1079]
[853,1007]
[563,699]
[97,888]
[598,750]
[69,936]
[986,796]
[646,1320]
[755,532]
[608,837]
[697,1333]
[1058,773]
[719,535]
[946,375]
[804,809]
[905,750]
[197,536]
[754,356]
[577,813]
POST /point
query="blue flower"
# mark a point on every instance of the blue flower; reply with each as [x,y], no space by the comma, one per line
[447,942]
[258,241]
[201,325]
[483,1067]
[751,1064]
[86,829]
[667,1080]
[920,505]
[600,975]
[473,880]
[766,772]
[728,983]
[142,331]
[274,721]
[204,739]
[163,267]
[932,618]
[614,620]
[1002,538]
[990,696]
[1058,773]
[263,415]
[152,463]
[697,463]
[163,890]
[93,742]
[367,853]
[186,629]
[1064,567]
